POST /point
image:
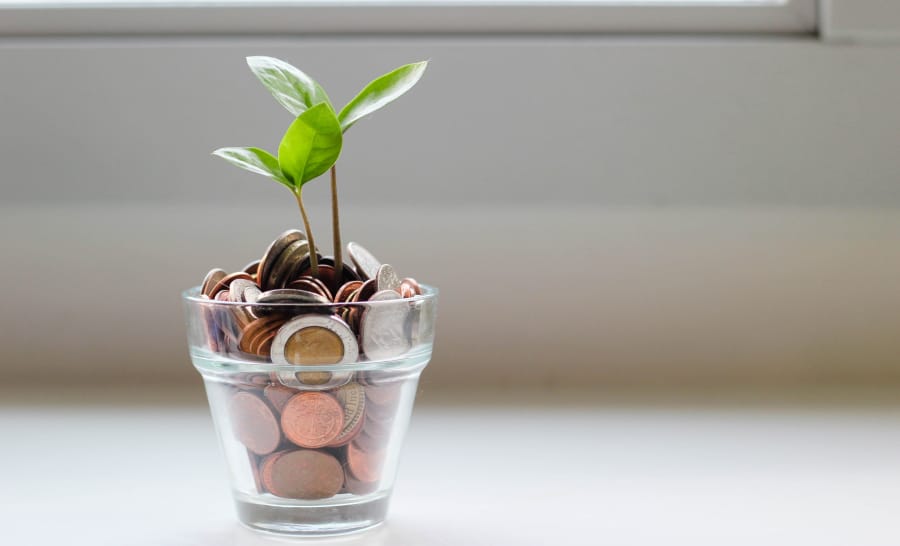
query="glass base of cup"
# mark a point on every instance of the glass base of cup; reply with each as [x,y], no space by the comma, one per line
[334,517]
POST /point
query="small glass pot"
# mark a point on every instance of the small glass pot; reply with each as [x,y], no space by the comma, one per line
[311,402]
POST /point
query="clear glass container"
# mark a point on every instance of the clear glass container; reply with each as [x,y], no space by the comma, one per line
[311,402]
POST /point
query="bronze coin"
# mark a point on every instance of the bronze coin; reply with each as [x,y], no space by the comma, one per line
[278,396]
[406,291]
[253,423]
[367,290]
[312,419]
[304,474]
[265,468]
[343,293]
[357,487]
[411,283]
[256,328]
[364,465]
[225,282]
[310,284]
[251,268]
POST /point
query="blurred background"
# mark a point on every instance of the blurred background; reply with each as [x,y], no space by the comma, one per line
[676,200]
[606,193]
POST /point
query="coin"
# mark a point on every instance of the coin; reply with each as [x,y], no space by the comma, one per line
[212,279]
[387,279]
[253,423]
[312,419]
[285,266]
[352,398]
[328,341]
[311,284]
[382,326]
[366,264]
[238,287]
[251,268]
[357,487]
[226,281]
[343,293]
[251,334]
[412,284]
[364,465]
[291,295]
[303,474]
[278,396]
[275,249]
[366,290]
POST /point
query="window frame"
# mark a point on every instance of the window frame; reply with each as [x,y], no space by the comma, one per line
[398,17]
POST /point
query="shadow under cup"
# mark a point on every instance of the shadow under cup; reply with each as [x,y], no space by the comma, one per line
[311,403]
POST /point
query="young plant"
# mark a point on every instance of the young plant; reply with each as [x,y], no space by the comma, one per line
[309,147]
[297,92]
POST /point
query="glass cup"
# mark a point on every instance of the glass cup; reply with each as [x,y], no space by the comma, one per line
[311,402]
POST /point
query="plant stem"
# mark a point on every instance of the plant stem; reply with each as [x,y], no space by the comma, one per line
[336,228]
[313,258]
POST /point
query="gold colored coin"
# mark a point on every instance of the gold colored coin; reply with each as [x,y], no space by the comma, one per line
[314,345]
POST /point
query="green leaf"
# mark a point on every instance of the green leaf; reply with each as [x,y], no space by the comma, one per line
[254,160]
[380,92]
[311,145]
[290,86]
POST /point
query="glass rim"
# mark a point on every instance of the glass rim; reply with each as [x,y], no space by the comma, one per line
[192,296]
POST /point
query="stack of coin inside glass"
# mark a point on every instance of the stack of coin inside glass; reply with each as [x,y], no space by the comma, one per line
[311,434]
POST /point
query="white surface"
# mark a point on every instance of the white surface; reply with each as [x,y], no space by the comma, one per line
[481,475]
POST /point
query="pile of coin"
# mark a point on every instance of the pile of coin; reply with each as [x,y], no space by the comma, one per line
[316,332]
[312,445]
[312,434]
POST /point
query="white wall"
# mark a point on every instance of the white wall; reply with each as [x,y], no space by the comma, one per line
[657,210]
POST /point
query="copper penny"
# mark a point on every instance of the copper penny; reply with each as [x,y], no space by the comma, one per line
[367,290]
[253,423]
[357,487]
[304,474]
[278,396]
[226,281]
[251,268]
[411,283]
[352,398]
[312,419]
[256,328]
[364,465]
[343,293]
[265,468]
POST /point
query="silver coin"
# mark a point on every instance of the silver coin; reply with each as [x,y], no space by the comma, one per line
[250,294]
[387,279]
[366,264]
[237,287]
[274,251]
[290,295]
[287,263]
[382,328]
[328,322]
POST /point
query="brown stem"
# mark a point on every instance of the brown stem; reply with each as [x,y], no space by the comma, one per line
[336,228]
[313,258]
